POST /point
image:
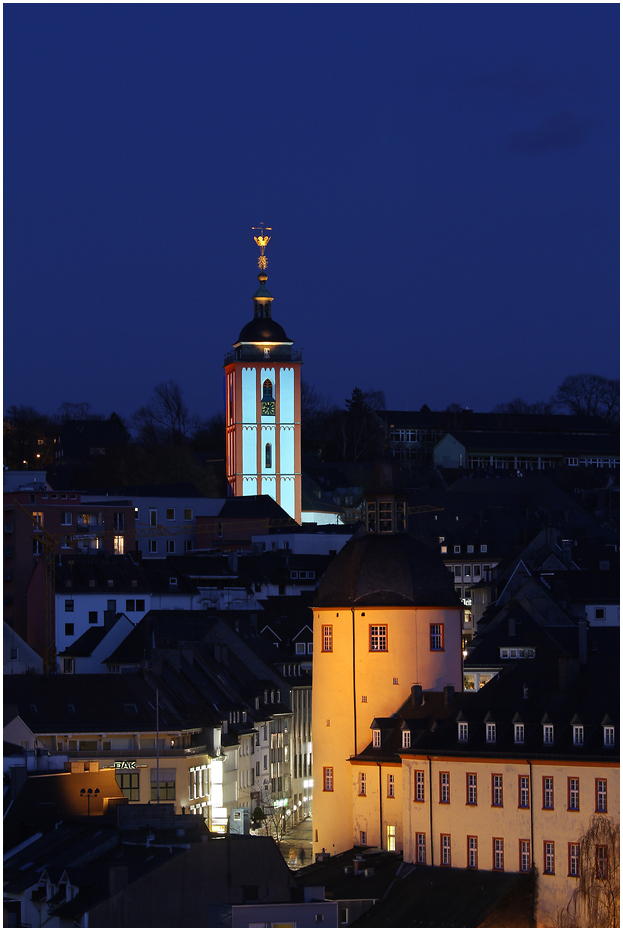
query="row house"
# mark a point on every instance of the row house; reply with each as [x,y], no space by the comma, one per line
[123,723]
[501,779]
[167,517]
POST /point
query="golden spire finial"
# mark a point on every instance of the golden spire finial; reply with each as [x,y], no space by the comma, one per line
[262,242]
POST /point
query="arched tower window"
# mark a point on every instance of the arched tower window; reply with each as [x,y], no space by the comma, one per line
[268,401]
[268,456]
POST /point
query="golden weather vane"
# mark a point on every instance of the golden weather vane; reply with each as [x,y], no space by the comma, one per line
[262,242]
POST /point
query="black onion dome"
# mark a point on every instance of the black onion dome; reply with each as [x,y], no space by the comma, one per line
[263,330]
[383,571]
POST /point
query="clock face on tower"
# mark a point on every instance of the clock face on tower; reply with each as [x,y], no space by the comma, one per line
[268,407]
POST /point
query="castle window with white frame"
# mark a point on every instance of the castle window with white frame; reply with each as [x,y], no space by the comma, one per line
[578,735]
[519,733]
[548,733]
[490,733]
[406,740]
[608,736]
[463,731]
[376,738]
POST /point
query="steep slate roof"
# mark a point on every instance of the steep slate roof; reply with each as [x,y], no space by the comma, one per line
[543,443]
[520,693]
[253,507]
[446,897]
[396,570]
[100,702]
[90,639]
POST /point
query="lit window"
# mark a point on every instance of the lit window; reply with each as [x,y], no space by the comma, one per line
[327,638]
[378,638]
[524,791]
[548,857]
[446,855]
[391,836]
[327,778]
[573,792]
[472,852]
[419,785]
[118,545]
[463,731]
[548,792]
[472,789]
[444,788]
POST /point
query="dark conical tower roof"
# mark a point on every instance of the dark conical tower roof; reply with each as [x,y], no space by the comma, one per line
[382,571]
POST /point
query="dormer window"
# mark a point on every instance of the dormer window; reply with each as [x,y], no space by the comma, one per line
[406,740]
[490,733]
[376,738]
[548,733]
[519,733]
[463,731]
[578,735]
[608,736]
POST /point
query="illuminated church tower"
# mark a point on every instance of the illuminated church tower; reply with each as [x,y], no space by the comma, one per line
[263,406]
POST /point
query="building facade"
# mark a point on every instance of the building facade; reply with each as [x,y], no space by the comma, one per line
[386,617]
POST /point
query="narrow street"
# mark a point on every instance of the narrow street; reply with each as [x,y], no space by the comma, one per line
[296,846]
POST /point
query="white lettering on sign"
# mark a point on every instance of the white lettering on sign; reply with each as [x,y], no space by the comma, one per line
[125,764]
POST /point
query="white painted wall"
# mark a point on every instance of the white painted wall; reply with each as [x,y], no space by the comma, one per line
[249,400]
[286,396]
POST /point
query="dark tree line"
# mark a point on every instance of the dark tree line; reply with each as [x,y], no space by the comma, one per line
[171,444]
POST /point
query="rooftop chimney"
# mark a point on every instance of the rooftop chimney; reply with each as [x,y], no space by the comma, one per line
[416,693]
[448,695]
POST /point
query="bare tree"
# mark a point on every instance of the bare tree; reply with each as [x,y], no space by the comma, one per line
[165,418]
[589,394]
[595,903]
[519,406]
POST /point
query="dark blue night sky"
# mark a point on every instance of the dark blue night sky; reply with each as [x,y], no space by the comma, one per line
[442,182]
